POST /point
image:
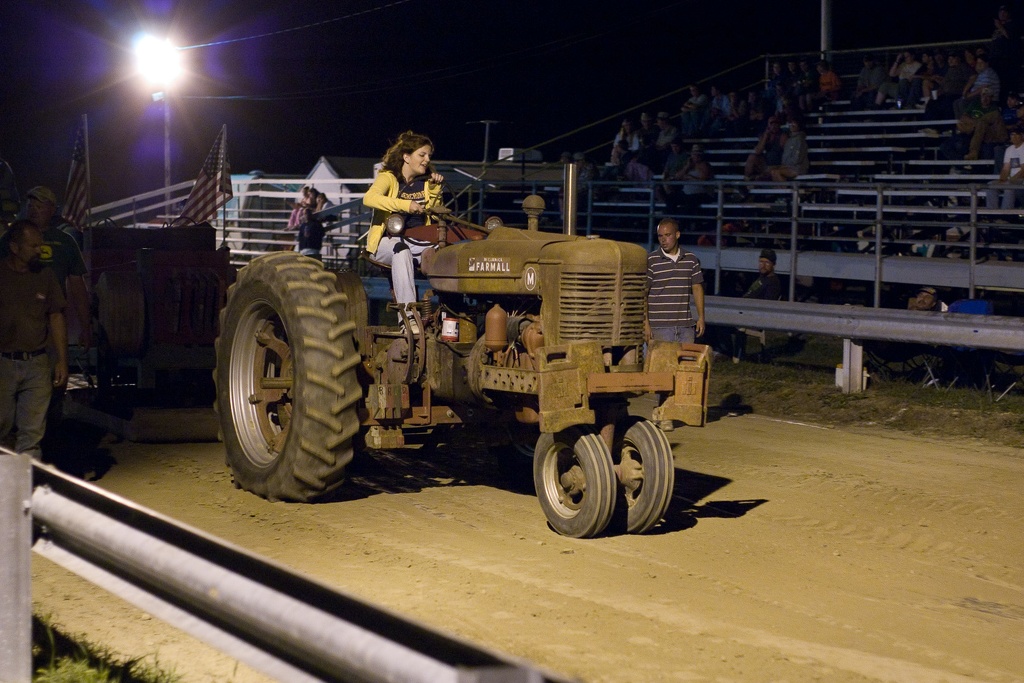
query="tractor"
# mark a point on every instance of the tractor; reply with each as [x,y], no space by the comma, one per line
[540,332]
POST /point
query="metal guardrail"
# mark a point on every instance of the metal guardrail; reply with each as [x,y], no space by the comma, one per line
[883,324]
[856,324]
[282,624]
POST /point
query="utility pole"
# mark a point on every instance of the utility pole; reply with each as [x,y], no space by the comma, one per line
[487,133]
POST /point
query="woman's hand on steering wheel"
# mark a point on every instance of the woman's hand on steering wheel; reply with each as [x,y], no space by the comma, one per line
[436,178]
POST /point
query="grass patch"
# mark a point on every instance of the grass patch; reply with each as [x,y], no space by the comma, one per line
[60,658]
[796,380]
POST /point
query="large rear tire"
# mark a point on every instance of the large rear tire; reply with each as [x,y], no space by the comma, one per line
[647,474]
[287,389]
[575,481]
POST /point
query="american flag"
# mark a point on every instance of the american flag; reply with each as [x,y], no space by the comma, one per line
[213,186]
[76,195]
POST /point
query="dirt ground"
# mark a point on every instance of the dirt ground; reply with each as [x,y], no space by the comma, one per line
[791,552]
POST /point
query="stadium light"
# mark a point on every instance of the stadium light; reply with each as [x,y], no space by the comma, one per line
[159,62]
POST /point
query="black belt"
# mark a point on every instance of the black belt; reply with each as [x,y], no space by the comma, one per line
[21,355]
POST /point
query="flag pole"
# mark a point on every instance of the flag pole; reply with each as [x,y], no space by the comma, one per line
[88,178]
[224,207]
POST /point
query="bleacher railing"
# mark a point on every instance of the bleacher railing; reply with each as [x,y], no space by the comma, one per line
[880,232]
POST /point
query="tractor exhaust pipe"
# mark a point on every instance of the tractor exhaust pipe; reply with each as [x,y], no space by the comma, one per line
[569,198]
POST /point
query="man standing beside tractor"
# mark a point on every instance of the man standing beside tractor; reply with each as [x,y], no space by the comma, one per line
[675,300]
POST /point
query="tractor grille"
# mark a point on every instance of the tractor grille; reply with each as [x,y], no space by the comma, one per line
[604,307]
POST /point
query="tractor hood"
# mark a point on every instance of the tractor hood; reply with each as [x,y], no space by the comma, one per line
[514,261]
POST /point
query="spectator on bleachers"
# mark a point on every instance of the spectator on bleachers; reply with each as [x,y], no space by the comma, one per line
[806,83]
[786,108]
[586,172]
[970,57]
[694,111]
[1005,50]
[648,131]
[950,88]
[736,116]
[939,68]
[983,122]
[776,78]
[616,167]
[767,152]
[674,163]
[871,76]
[1010,108]
[926,299]
[829,86]
[629,134]
[638,169]
[757,114]
[686,199]
[666,134]
[295,219]
[984,78]
[921,82]
[1012,172]
[587,168]
[795,161]
[792,74]
[902,70]
[718,112]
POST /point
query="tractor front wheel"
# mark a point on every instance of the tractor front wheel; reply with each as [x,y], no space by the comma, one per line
[575,481]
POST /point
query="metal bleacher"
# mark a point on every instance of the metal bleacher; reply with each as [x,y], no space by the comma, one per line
[879,205]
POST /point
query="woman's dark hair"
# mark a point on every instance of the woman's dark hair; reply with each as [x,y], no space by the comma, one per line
[407,143]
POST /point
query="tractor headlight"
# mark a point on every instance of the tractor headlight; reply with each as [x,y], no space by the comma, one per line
[395,224]
[492,222]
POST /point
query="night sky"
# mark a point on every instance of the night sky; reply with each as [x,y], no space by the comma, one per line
[294,81]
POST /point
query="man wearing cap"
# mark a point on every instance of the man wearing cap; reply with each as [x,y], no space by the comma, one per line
[984,78]
[926,299]
[767,286]
[31,320]
[61,253]
[982,120]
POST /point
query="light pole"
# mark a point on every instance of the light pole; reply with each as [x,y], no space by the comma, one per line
[487,133]
[159,62]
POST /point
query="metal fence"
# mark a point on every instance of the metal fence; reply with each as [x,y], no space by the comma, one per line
[878,233]
[282,624]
